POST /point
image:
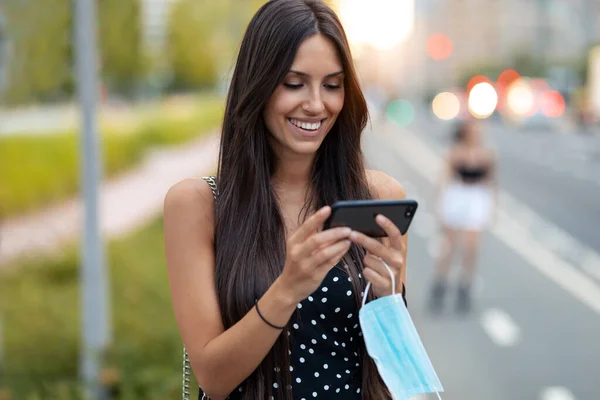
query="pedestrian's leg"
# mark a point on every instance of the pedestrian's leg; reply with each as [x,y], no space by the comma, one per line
[471,248]
[446,251]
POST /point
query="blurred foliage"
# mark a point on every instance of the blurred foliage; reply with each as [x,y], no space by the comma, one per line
[523,62]
[39,303]
[193,51]
[527,64]
[203,37]
[36,170]
[42,48]
[120,35]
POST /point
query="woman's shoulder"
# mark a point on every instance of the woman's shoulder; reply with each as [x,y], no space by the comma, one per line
[383,186]
[190,199]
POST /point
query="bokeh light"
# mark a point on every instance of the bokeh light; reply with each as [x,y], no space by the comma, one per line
[439,46]
[483,100]
[446,106]
[380,23]
[539,85]
[401,112]
[552,104]
[520,99]
[477,79]
[507,77]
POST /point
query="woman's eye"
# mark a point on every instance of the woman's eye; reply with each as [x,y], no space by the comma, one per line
[292,86]
[333,87]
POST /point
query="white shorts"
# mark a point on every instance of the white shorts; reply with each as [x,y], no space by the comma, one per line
[466,206]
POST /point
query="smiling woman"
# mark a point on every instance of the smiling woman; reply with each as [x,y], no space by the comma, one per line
[266,300]
[304,107]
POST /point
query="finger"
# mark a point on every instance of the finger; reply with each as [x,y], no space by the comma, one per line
[378,281]
[325,255]
[371,245]
[331,262]
[393,233]
[376,265]
[325,238]
[311,225]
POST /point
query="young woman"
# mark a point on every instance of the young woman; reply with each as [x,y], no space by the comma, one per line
[467,198]
[266,300]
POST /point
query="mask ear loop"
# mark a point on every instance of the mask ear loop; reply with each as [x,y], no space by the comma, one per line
[364,300]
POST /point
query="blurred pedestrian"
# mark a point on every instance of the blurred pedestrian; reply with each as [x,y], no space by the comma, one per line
[467,198]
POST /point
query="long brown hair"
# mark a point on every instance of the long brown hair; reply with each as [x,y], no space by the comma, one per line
[250,233]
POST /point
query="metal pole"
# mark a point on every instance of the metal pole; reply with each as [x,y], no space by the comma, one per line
[95,319]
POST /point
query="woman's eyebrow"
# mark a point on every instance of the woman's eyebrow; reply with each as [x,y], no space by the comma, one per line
[308,75]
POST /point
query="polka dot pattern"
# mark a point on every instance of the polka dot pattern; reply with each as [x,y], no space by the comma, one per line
[325,343]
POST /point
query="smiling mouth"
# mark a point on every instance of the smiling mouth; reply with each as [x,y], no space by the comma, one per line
[307,126]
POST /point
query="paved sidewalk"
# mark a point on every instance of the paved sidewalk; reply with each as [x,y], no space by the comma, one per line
[126,202]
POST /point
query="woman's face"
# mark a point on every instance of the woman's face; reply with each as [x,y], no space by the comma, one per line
[306,104]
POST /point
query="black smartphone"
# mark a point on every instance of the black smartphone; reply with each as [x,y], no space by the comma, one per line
[360,215]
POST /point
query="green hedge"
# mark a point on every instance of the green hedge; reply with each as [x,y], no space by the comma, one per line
[39,305]
[36,171]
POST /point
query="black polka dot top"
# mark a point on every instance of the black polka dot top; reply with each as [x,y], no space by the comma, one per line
[325,342]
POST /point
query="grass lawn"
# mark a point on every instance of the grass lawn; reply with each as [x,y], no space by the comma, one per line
[39,307]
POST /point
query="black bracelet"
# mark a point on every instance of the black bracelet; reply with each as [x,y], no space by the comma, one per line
[263,318]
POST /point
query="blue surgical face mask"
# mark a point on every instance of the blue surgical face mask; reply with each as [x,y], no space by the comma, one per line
[392,341]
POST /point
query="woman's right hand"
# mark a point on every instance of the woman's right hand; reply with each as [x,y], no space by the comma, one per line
[311,253]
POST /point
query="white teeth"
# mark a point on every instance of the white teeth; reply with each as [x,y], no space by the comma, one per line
[305,125]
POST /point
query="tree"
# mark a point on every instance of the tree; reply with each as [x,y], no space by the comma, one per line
[193,38]
[39,64]
[122,59]
[41,57]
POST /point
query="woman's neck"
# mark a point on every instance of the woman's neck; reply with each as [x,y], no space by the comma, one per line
[293,174]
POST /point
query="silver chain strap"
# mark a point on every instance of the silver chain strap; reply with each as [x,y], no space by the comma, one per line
[185,386]
[186,380]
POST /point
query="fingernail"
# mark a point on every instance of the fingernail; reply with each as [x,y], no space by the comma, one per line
[354,235]
[325,210]
[381,218]
[347,231]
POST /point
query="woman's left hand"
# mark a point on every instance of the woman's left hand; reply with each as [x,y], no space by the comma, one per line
[392,251]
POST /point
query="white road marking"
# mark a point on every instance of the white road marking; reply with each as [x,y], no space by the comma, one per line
[500,327]
[591,264]
[511,231]
[556,393]
[545,261]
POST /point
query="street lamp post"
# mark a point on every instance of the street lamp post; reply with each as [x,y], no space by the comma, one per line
[95,318]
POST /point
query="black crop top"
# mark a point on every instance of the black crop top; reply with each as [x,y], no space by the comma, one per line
[471,174]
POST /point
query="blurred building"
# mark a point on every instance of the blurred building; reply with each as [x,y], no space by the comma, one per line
[494,31]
